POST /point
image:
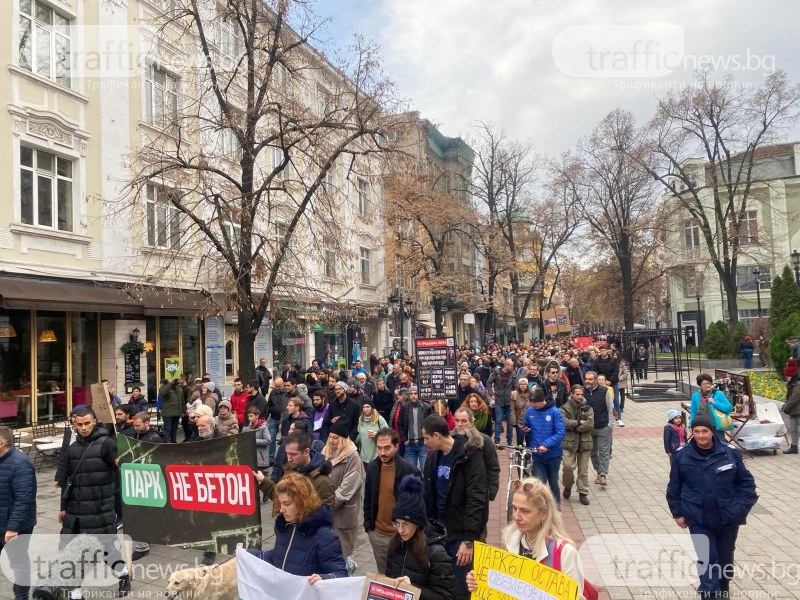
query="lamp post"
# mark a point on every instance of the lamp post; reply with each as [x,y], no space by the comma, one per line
[697,291]
[795,255]
[398,299]
[757,273]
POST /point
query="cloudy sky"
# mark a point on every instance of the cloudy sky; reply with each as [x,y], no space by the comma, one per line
[548,71]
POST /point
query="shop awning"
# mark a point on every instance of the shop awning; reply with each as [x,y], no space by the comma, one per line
[51,295]
[173,303]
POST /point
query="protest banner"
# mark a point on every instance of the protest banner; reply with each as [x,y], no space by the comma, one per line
[378,587]
[562,316]
[550,321]
[172,368]
[502,575]
[101,403]
[259,580]
[436,368]
[198,495]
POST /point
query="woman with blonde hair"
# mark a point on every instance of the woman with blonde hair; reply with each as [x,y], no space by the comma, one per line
[305,544]
[537,531]
[347,476]
[483,414]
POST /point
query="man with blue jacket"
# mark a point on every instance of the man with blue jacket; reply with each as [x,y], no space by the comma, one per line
[546,435]
[711,492]
[17,502]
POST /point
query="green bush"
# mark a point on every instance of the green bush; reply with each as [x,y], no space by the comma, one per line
[784,298]
[778,348]
[715,344]
[738,333]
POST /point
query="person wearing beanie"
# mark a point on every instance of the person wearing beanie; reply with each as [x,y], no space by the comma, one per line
[416,554]
[347,475]
[369,423]
[355,392]
[343,406]
[227,424]
[674,432]
[208,396]
[710,492]
[706,398]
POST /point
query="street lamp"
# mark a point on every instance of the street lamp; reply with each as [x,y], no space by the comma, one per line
[796,264]
[698,282]
[398,299]
[757,273]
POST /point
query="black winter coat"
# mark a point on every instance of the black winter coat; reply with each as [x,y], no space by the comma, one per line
[383,402]
[17,492]
[372,484]
[404,422]
[258,401]
[350,409]
[436,580]
[466,509]
[90,506]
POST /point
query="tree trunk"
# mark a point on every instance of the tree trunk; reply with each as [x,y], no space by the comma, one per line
[246,347]
[437,316]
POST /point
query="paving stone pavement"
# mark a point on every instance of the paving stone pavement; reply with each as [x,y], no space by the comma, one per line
[631,546]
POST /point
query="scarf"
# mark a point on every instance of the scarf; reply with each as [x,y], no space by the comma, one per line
[349,449]
[481,419]
[681,433]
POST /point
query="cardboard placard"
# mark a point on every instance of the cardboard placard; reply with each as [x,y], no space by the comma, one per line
[101,404]
[378,587]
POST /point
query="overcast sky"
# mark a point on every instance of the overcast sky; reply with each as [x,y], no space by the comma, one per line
[549,71]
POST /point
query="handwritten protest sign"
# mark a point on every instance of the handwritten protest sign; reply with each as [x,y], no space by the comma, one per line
[502,575]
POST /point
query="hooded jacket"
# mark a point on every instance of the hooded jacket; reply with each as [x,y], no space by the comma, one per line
[435,580]
[171,405]
[262,441]
[546,429]
[17,492]
[306,548]
[91,500]
[713,491]
[578,438]
[482,442]
[466,511]
[227,425]
[318,470]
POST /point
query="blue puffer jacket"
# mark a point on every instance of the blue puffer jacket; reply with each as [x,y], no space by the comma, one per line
[17,492]
[546,429]
[721,402]
[711,491]
[306,548]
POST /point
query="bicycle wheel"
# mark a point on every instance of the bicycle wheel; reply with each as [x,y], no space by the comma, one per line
[509,508]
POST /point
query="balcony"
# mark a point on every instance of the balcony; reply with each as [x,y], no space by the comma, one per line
[694,253]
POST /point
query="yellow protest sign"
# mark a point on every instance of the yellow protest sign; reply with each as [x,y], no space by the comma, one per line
[502,575]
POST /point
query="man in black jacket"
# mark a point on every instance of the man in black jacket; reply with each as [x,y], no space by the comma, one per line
[455,494]
[87,503]
[381,488]
[343,406]
[412,414]
[553,386]
[263,376]
[143,433]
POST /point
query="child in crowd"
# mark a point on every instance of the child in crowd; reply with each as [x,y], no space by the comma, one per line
[674,433]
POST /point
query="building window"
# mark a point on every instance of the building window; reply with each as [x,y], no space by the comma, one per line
[228,38]
[163,218]
[692,239]
[45,189]
[161,98]
[329,182]
[277,160]
[363,202]
[44,41]
[330,260]
[229,145]
[234,230]
[165,5]
[324,102]
[748,229]
[746,279]
[751,314]
[366,266]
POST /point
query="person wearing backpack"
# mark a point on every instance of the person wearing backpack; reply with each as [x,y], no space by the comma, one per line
[537,531]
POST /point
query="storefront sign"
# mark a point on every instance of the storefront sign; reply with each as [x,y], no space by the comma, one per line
[215,348]
[165,486]
[501,575]
[436,368]
[264,341]
[132,370]
[469,319]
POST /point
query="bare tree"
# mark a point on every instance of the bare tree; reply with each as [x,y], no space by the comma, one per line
[728,128]
[433,228]
[248,169]
[618,201]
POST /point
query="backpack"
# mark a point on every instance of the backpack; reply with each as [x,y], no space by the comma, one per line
[589,591]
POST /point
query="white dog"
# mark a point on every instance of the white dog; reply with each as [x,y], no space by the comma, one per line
[217,582]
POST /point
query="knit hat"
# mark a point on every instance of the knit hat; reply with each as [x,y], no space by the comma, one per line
[226,404]
[701,420]
[369,401]
[413,388]
[210,386]
[342,385]
[410,505]
[671,414]
[352,382]
[341,427]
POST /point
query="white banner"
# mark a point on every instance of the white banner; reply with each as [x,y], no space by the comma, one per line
[259,580]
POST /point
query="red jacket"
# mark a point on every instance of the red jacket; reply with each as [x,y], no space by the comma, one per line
[238,404]
[790,370]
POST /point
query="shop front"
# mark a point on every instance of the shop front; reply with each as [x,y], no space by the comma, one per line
[58,338]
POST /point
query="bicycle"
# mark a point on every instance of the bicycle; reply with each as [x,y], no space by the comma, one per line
[521,465]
